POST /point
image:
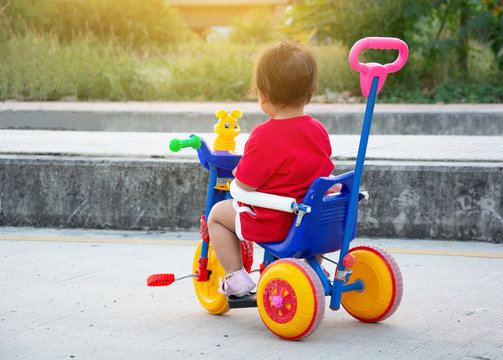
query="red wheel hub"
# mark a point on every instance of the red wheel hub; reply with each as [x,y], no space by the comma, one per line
[280,302]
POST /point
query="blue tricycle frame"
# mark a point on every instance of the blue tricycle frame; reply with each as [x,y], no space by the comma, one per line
[367,280]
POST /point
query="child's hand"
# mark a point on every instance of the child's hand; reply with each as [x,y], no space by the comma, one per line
[335,188]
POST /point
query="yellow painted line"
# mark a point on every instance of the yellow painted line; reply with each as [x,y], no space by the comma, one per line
[142,241]
[446,253]
[80,239]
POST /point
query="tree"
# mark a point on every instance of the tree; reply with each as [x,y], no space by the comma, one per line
[492,28]
[134,22]
[350,21]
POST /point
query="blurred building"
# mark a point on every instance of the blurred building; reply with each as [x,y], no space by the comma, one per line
[203,14]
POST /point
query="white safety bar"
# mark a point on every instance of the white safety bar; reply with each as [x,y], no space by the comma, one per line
[270,201]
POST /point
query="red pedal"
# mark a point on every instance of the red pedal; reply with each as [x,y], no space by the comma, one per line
[160,279]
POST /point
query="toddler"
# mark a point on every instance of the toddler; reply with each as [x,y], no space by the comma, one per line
[282,156]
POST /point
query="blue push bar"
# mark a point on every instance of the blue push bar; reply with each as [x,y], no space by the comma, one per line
[337,288]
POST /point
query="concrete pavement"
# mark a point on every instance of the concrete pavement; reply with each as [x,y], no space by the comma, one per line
[81,294]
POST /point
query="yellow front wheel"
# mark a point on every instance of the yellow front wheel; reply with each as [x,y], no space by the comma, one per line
[207,291]
[290,299]
[382,285]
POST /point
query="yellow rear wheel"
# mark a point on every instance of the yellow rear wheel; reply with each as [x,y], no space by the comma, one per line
[207,291]
[382,285]
[290,299]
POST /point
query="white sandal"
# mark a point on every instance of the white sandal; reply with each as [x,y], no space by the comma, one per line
[238,283]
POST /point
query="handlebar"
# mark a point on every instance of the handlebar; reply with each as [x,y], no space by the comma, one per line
[382,43]
[370,70]
[176,145]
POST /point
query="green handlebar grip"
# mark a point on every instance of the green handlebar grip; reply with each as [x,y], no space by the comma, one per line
[176,145]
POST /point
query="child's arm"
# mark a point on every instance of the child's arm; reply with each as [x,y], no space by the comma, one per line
[243,185]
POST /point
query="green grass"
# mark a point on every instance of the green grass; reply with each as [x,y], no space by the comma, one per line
[39,67]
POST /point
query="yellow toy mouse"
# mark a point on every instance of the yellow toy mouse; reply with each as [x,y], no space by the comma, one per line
[227,129]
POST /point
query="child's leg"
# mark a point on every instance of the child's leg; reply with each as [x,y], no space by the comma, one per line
[222,230]
[320,260]
[227,247]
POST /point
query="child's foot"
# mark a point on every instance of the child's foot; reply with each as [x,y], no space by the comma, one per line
[325,271]
[238,283]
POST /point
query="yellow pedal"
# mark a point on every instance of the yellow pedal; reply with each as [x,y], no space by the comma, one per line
[223,186]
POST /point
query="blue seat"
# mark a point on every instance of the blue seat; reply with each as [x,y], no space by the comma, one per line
[321,230]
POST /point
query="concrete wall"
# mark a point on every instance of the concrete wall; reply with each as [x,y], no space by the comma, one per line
[100,193]
[434,201]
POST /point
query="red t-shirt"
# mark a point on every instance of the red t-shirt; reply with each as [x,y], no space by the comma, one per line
[282,157]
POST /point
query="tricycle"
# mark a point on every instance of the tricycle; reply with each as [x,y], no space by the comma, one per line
[293,286]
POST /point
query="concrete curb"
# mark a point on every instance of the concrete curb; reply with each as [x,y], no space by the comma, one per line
[434,200]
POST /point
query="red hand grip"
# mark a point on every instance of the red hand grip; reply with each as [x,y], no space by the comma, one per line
[370,70]
[202,270]
[348,261]
[204,229]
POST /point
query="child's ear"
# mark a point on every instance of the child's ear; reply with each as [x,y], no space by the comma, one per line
[314,90]
[261,98]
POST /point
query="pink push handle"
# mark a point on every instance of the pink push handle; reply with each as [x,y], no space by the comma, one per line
[371,70]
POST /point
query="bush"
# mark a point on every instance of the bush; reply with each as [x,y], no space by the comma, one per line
[334,70]
[36,68]
[40,67]
[257,28]
[132,22]
[206,72]
[460,92]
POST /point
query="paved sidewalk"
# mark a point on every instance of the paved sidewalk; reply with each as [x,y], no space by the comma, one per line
[210,107]
[413,119]
[79,294]
[345,147]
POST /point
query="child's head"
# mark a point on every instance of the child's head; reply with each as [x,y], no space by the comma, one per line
[285,74]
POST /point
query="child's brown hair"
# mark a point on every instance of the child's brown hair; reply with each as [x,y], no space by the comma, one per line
[286,74]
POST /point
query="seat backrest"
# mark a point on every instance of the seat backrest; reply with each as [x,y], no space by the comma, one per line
[321,230]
